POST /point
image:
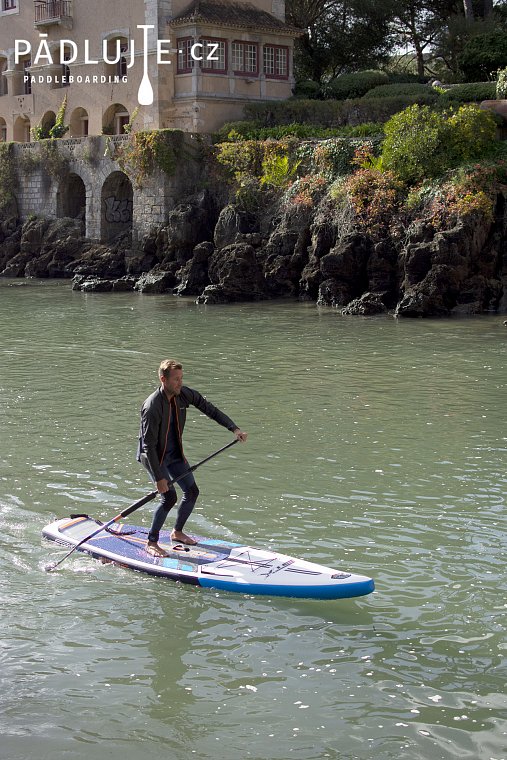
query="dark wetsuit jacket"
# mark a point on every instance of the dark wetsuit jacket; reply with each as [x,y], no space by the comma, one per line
[154,430]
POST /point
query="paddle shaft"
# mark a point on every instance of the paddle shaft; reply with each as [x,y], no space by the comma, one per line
[137,504]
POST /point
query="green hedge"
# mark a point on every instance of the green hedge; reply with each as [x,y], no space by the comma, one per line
[404,77]
[308,90]
[399,90]
[235,131]
[473,92]
[331,113]
[355,85]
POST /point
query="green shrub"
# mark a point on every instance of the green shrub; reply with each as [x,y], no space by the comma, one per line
[375,197]
[405,77]
[40,132]
[501,85]
[472,134]
[59,129]
[355,85]
[308,90]
[421,143]
[243,163]
[8,176]
[237,131]
[468,190]
[395,90]
[484,54]
[330,113]
[278,171]
[306,191]
[150,150]
[473,92]
[271,162]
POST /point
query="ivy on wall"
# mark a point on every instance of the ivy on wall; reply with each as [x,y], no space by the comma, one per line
[8,177]
[147,151]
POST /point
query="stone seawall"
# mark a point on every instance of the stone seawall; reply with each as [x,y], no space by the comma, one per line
[80,178]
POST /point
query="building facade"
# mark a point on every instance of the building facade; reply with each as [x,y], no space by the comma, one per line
[153,64]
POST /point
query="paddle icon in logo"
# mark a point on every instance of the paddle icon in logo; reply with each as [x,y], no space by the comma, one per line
[145,92]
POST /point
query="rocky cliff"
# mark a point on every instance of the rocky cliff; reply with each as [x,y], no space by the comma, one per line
[315,252]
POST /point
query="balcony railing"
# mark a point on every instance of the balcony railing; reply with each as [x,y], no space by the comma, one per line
[52,11]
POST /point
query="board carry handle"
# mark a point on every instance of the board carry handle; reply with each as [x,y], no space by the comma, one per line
[136,505]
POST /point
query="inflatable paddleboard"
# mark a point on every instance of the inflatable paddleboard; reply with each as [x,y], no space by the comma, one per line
[211,563]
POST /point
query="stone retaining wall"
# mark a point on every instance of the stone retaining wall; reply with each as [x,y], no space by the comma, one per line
[79,177]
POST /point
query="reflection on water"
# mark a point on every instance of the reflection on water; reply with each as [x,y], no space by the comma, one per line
[375,445]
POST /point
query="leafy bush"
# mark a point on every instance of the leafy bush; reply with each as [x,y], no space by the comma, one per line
[308,90]
[306,191]
[501,85]
[473,92]
[484,54]
[59,129]
[8,176]
[237,131]
[355,85]
[40,132]
[331,113]
[375,197]
[470,190]
[244,162]
[472,134]
[278,171]
[422,143]
[395,90]
[146,151]
[405,77]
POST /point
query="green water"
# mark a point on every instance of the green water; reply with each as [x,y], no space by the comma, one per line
[375,445]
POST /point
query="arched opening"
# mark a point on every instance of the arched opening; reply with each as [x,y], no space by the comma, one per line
[3,130]
[116,206]
[41,131]
[71,198]
[115,118]
[21,129]
[79,123]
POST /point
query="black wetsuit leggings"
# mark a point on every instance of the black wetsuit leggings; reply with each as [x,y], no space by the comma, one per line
[167,500]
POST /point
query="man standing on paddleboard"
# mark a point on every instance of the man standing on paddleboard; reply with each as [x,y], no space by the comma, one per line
[160,449]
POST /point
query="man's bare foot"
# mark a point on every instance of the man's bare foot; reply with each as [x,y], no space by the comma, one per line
[178,535]
[155,550]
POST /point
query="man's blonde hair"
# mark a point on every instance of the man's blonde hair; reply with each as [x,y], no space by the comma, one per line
[167,365]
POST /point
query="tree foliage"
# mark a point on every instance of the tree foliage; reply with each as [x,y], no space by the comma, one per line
[340,36]
[456,40]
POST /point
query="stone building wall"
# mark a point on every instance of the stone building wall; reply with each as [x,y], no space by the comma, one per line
[80,178]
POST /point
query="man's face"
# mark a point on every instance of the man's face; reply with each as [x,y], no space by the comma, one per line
[173,382]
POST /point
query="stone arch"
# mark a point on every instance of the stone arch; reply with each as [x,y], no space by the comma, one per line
[71,198]
[47,121]
[114,119]
[79,122]
[117,197]
[21,129]
[3,129]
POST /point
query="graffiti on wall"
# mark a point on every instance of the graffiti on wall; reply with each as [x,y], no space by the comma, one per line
[118,210]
